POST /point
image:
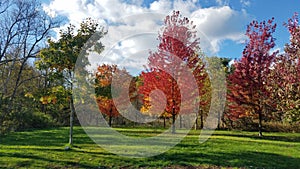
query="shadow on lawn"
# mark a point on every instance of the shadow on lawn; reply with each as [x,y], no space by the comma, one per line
[51,162]
[245,159]
[51,137]
[265,137]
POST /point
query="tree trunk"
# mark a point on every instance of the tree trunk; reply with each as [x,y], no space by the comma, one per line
[72,110]
[173,124]
[173,109]
[8,77]
[201,119]
[16,86]
[71,120]
[196,122]
[260,124]
[164,122]
[110,118]
[180,121]
[219,120]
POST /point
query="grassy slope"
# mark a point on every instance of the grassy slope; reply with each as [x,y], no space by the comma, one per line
[45,149]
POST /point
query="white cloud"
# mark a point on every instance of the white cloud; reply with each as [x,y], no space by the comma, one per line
[222,2]
[162,6]
[220,23]
[280,51]
[245,3]
[132,27]
[186,7]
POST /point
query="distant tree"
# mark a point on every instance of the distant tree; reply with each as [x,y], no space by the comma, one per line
[217,69]
[248,94]
[178,43]
[104,87]
[107,107]
[204,103]
[104,75]
[59,59]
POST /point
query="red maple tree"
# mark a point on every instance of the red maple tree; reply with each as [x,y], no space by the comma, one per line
[285,84]
[178,46]
[248,95]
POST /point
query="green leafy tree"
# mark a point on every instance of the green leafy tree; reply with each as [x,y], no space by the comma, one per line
[59,59]
[216,87]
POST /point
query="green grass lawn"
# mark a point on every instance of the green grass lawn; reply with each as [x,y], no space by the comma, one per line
[225,149]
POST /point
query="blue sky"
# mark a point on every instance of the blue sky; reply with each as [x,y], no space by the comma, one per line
[281,10]
[221,24]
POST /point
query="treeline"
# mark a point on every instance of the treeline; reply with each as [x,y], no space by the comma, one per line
[263,87]
[37,78]
[24,28]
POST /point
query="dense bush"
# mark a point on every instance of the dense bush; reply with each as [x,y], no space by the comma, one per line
[282,127]
[247,124]
[26,120]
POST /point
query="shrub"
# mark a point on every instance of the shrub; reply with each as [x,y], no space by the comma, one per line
[282,127]
[34,120]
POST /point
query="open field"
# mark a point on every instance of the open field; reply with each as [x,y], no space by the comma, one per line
[225,149]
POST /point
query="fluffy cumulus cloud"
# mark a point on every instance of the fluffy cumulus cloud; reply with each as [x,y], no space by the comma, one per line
[220,23]
[133,25]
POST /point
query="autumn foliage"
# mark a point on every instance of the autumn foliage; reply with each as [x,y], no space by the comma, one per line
[248,94]
[285,83]
[104,75]
[115,90]
[177,51]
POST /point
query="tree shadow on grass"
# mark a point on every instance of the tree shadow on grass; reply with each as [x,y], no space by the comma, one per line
[245,159]
[58,163]
[265,137]
[51,137]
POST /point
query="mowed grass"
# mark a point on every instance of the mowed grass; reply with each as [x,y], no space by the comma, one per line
[225,149]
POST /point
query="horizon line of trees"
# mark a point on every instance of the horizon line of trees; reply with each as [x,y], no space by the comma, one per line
[263,87]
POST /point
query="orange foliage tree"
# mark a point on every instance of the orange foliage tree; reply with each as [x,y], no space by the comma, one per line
[106,100]
[178,46]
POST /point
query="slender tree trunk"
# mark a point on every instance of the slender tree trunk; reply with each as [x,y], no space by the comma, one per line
[173,109]
[72,111]
[173,123]
[180,121]
[219,120]
[71,120]
[23,64]
[43,107]
[164,122]
[201,119]
[261,109]
[196,122]
[110,118]
[8,77]
[260,124]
